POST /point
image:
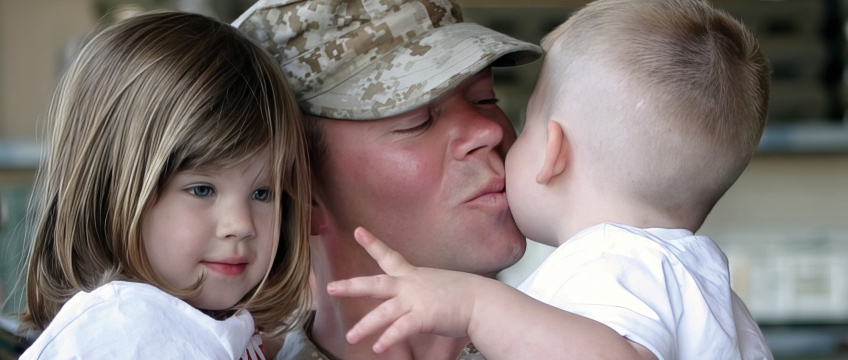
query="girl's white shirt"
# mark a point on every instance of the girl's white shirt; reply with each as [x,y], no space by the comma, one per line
[129,320]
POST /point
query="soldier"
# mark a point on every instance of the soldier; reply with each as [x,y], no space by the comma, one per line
[406,138]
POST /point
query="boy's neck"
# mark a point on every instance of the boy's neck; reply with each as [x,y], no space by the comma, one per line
[595,209]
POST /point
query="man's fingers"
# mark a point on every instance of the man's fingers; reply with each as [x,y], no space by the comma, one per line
[377,286]
[389,260]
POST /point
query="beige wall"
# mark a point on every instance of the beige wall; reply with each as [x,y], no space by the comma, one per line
[785,193]
[33,35]
[784,228]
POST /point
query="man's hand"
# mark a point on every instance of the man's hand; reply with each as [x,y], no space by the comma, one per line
[418,300]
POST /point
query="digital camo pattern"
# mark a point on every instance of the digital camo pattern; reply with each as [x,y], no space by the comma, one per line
[298,346]
[368,59]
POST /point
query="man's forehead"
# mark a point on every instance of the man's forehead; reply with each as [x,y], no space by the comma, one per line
[482,78]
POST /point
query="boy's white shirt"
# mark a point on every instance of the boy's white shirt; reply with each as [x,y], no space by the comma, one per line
[126,320]
[665,289]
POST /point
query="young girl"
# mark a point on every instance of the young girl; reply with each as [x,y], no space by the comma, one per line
[172,208]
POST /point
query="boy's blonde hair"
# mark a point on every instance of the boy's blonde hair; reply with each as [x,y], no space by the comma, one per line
[693,89]
[147,97]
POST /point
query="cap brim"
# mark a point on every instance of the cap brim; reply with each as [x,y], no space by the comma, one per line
[418,72]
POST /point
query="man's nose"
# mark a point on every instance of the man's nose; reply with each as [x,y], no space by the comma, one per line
[236,221]
[475,131]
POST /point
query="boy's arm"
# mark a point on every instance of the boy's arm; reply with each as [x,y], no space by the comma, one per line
[501,321]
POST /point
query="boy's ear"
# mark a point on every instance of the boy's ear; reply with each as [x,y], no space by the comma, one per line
[556,154]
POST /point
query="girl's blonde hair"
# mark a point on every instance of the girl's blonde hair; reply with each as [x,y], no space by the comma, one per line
[147,97]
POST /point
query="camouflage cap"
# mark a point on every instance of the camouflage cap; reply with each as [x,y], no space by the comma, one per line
[370,59]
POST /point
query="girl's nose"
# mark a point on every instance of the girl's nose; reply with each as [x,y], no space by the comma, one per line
[236,222]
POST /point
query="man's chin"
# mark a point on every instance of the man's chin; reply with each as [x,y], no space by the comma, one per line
[516,254]
[501,257]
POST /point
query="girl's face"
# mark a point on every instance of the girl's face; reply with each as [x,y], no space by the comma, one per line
[217,222]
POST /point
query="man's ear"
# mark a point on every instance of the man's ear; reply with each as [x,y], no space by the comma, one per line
[556,154]
[318,219]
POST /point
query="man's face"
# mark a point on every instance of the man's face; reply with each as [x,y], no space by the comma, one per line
[429,182]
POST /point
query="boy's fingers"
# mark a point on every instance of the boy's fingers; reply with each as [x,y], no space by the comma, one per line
[406,326]
[389,260]
[377,286]
[375,320]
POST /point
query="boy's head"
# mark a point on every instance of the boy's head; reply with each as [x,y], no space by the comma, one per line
[661,102]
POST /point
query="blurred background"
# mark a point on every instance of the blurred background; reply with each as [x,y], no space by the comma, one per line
[783,226]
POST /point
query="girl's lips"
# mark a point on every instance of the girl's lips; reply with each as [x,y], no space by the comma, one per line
[226,269]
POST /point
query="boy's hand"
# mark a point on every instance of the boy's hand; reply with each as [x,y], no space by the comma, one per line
[504,323]
[418,300]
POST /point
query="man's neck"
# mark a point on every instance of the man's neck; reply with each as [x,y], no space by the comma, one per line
[336,258]
[336,316]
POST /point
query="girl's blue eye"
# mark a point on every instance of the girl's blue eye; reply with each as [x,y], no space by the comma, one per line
[262,194]
[201,190]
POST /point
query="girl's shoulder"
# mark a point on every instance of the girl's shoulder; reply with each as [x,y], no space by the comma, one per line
[123,318]
[110,311]
[125,292]
[128,299]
